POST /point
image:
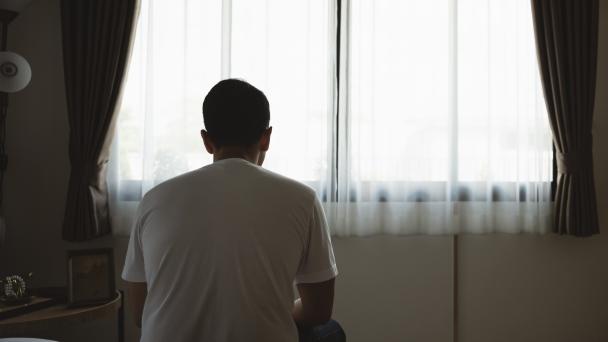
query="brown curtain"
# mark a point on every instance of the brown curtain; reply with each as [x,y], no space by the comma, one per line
[566,39]
[96,42]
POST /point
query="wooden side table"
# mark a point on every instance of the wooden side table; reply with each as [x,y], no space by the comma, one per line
[60,317]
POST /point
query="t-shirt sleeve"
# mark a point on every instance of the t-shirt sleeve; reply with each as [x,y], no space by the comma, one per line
[134,270]
[318,263]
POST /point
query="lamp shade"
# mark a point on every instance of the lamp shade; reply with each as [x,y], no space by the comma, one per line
[13,5]
[15,72]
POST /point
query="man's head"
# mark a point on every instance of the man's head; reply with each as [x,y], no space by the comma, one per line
[236,116]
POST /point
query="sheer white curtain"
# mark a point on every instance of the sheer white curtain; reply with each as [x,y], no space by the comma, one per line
[182,48]
[175,59]
[283,48]
[438,124]
[446,124]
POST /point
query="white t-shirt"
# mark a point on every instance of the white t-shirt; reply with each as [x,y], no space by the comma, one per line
[220,248]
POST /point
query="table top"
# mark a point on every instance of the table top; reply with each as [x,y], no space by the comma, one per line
[59,314]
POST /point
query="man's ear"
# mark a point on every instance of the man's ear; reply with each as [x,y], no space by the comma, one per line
[265,139]
[207,141]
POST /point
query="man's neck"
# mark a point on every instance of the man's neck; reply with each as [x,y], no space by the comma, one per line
[230,152]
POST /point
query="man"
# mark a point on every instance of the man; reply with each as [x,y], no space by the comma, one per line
[214,252]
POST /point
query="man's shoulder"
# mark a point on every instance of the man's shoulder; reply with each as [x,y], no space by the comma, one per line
[171,185]
[285,183]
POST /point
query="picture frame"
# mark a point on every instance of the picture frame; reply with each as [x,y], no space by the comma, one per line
[90,274]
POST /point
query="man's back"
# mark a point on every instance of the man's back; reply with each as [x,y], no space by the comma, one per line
[219,249]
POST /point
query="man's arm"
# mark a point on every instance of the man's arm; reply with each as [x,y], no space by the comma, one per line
[137,293]
[315,305]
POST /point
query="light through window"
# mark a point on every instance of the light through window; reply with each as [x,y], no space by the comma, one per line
[402,114]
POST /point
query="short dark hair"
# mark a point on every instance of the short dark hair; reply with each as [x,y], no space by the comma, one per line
[235,113]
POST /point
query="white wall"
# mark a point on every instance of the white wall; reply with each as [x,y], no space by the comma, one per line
[510,287]
[395,288]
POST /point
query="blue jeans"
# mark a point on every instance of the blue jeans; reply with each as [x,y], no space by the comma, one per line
[328,332]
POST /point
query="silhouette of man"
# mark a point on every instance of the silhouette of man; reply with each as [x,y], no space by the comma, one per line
[214,253]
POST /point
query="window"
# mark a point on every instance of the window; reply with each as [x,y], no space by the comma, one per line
[282,47]
[417,116]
